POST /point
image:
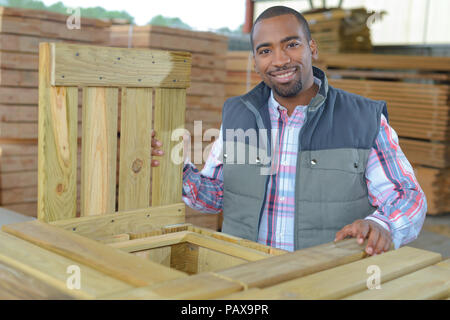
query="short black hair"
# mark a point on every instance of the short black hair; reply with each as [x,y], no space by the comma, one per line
[279,11]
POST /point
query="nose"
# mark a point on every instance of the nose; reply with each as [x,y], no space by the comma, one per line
[280,58]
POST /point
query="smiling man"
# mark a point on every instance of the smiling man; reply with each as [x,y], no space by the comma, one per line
[337,169]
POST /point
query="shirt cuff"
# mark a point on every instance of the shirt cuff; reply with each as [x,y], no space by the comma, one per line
[380,221]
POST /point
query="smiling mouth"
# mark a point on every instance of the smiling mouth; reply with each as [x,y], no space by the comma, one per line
[284,76]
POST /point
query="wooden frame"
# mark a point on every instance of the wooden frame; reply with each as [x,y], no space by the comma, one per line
[149,252]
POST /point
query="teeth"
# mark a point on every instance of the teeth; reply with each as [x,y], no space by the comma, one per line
[285,75]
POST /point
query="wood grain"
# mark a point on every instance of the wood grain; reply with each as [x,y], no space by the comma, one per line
[135,151]
[57,146]
[106,66]
[99,150]
[110,261]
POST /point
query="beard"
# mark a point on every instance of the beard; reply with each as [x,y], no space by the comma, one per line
[288,90]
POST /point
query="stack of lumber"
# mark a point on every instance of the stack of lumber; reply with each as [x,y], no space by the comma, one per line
[206,95]
[189,263]
[339,30]
[20,33]
[416,90]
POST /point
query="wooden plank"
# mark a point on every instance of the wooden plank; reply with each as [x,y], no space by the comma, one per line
[184,257]
[350,278]
[151,242]
[226,247]
[17,285]
[169,115]
[99,151]
[133,221]
[135,151]
[57,147]
[80,65]
[207,285]
[296,264]
[115,238]
[48,15]
[212,260]
[50,268]
[51,29]
[432,282]
[160,255]
[387,61]
[112,262]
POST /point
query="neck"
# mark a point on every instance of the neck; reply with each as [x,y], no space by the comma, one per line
[301,99]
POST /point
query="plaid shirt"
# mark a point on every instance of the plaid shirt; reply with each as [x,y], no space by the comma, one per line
[390,179]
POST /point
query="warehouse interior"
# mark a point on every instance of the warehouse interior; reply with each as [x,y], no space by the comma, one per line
[395,51]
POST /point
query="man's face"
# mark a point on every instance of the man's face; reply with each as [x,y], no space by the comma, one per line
[283,55]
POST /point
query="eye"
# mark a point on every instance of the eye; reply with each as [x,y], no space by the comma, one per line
[264,51]
[293,44]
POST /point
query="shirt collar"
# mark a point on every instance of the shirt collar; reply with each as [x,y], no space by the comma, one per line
[276,107]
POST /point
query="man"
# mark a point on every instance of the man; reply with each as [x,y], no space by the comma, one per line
[336,169]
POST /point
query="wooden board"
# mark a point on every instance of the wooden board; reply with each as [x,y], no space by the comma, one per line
[112,262]
[57,149]
[169,116]
[135,153]
[99,155]
[79,65]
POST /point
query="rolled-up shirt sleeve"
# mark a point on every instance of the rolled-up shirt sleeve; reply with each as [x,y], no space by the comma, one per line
[393,188]
[203,190]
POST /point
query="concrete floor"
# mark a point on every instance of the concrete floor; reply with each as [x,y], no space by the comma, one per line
[435,234]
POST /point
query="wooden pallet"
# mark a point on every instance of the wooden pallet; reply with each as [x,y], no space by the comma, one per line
[123,260]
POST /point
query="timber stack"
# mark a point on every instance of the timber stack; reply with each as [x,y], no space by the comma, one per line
[338,30]
[206,95]
[416,90]
[21,31]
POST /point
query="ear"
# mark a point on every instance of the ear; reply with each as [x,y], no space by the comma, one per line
[314,49]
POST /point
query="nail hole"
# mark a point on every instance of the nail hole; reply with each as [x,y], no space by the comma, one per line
[74,229]
[112,220]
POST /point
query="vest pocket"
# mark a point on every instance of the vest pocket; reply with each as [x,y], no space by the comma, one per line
[336,175]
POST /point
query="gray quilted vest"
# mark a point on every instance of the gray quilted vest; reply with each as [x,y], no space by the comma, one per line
[334,144]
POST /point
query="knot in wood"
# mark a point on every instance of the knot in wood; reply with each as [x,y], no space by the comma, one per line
[137,165]
[59,188]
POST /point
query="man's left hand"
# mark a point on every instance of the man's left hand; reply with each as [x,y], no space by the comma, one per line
[379,239]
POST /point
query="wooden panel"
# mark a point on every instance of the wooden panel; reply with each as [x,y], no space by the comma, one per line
[345,280]
[226,247]
[51,269]
[169,115]
[151,242]
[184,257]
[57,148]
[159,255]
[99,151]
[432,282]
[212,260]
[110,261]
[289,266]
[201,286]
[17,285]
[135,150]
[133,221]
[106,66]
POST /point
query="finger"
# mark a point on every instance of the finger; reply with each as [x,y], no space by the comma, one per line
[363,231]
[380,244]
[157,152]
[373,239]
[155,163]
[387,246]
[156,143]
[341,234]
